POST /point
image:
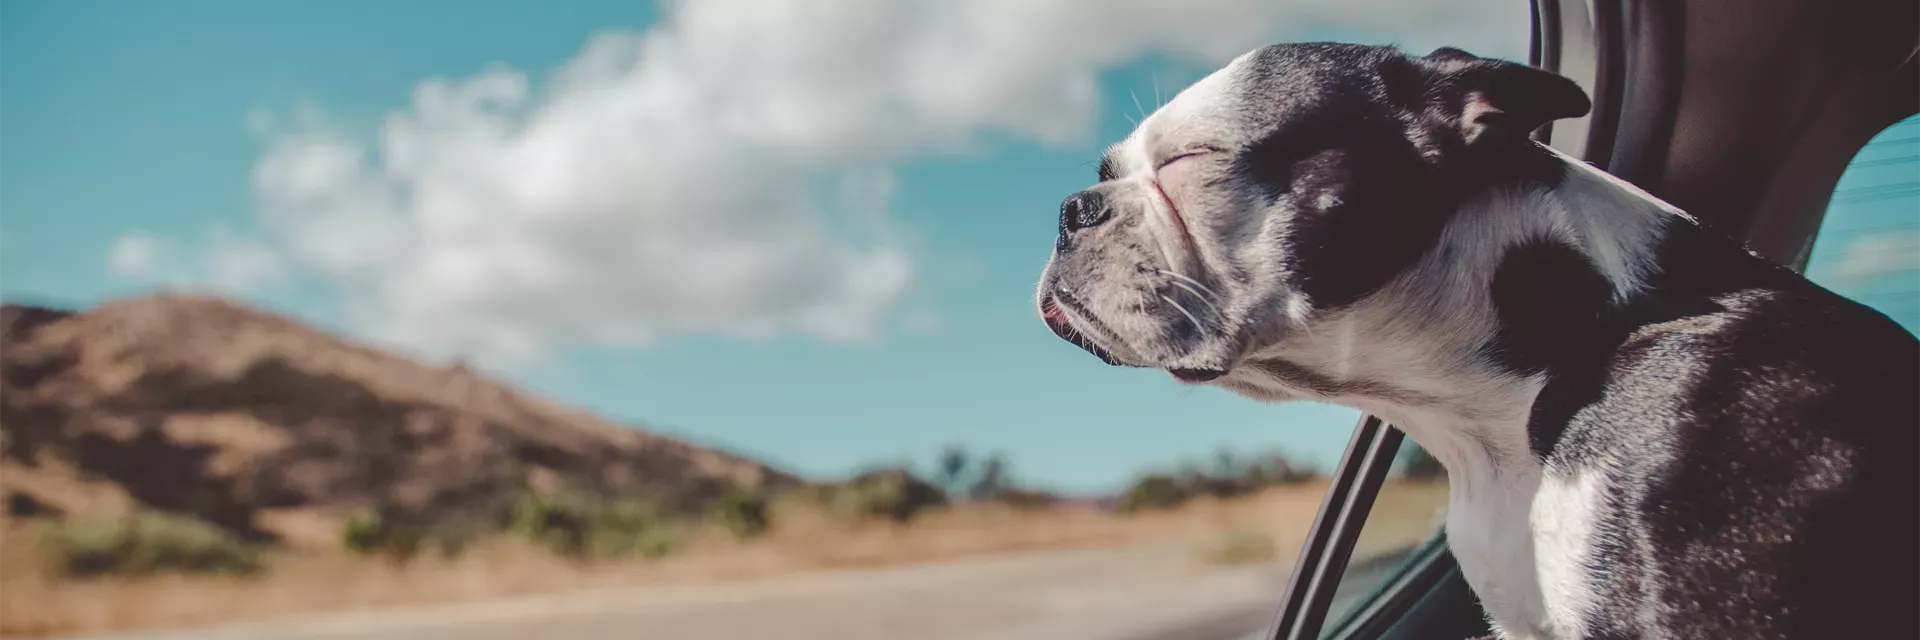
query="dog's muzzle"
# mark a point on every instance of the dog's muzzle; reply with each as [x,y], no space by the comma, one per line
[1056,319]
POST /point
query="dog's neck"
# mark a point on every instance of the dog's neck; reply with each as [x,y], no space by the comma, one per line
[1416,352]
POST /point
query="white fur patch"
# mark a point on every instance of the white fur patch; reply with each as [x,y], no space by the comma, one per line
[1566,512]
[1617,224]
[1488,535]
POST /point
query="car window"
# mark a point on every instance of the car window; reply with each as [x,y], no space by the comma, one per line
[1868,247]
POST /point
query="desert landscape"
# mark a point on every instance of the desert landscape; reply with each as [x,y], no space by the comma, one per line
[176,462]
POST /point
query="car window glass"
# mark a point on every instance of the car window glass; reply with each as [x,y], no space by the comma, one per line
[1868,247]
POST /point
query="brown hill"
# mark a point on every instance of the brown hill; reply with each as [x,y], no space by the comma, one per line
[276,430]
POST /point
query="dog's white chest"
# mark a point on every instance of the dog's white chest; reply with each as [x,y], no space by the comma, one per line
[1522,540]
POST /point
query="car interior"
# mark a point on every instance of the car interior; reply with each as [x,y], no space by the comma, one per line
[1744,114]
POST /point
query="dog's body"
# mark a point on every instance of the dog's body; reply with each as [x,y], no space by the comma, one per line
[1649,432]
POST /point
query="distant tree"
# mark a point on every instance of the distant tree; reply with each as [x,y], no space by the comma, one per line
[954,464]
[991,479]
[1225,465]
[1190,474]
[1276,468]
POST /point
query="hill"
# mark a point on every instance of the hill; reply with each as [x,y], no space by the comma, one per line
[279,432]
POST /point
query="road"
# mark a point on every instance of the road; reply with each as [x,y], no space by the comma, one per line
[1150,593]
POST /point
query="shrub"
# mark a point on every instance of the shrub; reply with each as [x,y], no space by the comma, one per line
[624,529]
[1153,491]
[1275,469]
[582,532]
[1227,477]
[895,494]
[743,513]
[362,533]
[548,521]
[891,493]
[397,540]
[147,544]
[1026,498]
[649,542]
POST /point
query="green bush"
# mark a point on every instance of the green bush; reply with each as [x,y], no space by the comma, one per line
[607,530]
[362,533]
[398,540]
[743,513]
[545,520]
[894,494]
[653,541]
[1227,477]
[1019,498]
[1153,491]
[147,544]
[623,529]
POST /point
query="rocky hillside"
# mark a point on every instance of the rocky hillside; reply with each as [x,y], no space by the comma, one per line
[279,431]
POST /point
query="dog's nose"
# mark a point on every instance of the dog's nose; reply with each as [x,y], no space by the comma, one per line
[1082,210]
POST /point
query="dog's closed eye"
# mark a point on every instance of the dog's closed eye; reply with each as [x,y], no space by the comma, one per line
[1184,155]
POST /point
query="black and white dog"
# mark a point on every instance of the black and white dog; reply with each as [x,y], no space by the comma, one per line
[1649,431]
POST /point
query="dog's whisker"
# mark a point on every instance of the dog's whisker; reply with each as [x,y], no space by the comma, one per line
[1183,311]
[1181,276]
[1154,74]
[1201,296]
[1199,290]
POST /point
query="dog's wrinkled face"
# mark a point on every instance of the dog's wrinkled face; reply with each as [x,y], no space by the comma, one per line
[1293,182]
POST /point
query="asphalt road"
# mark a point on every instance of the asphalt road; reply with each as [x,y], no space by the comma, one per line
[1152,593]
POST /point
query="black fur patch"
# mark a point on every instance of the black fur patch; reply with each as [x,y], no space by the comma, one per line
[1365,147]
[1549,300]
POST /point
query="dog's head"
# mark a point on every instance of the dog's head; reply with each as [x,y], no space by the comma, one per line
[1295,181]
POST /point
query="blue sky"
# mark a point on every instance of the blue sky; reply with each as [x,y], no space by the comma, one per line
[366,166]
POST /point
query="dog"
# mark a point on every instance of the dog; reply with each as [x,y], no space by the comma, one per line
[1649,431]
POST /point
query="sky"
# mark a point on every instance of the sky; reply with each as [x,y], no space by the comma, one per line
[804,230]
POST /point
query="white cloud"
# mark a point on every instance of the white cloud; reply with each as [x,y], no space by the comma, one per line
[137,255]
[1874,255]
[670,181]
[240,265]
[230,264]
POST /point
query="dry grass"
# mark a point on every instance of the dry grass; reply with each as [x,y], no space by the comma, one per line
[34,602]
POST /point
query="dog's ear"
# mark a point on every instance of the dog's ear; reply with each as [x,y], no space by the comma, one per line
[1486,99]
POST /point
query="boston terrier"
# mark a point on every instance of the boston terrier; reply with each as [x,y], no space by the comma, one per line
[1649,431]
